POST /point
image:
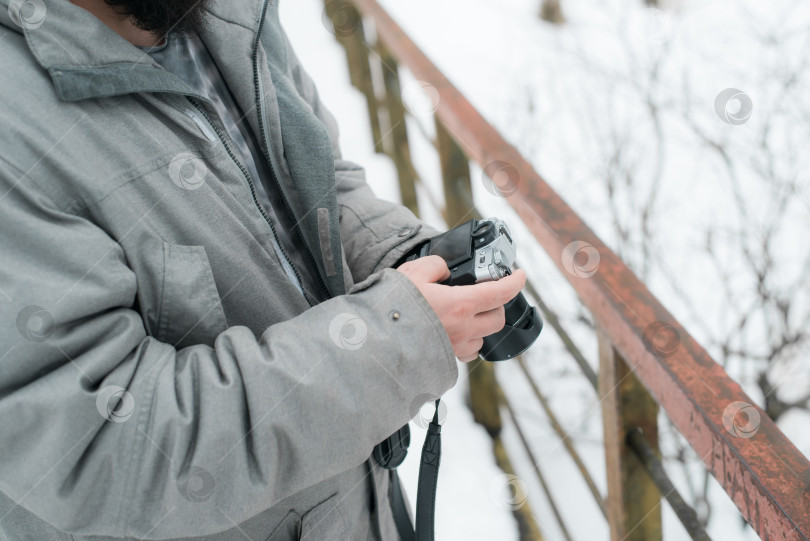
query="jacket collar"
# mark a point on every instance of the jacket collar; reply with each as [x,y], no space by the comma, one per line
[87,59]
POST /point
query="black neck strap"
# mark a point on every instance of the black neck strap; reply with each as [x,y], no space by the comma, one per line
[425,493]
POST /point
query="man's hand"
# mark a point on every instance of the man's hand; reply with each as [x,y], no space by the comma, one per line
[468,313]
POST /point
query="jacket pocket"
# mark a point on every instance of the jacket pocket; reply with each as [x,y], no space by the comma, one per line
[324,521]
[190,308]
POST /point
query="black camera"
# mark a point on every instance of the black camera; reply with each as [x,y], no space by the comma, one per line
[480,251]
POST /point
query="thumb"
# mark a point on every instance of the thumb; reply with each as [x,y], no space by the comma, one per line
[426,269]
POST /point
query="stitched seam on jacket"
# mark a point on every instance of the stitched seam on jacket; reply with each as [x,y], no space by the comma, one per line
[144,415]
[25,176]
[162,313]
[160,163]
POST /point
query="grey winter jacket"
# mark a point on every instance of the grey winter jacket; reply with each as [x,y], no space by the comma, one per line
[160,375]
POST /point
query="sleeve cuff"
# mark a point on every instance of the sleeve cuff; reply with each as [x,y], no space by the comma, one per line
[446,357]
[419,234]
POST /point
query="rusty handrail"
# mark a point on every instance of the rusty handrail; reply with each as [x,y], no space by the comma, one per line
[765,475]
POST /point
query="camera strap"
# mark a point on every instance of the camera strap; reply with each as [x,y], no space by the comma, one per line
[426,491]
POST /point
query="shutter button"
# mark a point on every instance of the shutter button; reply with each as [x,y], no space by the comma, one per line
[395,315]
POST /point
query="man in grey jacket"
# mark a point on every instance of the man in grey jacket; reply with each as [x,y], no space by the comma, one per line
[201,333]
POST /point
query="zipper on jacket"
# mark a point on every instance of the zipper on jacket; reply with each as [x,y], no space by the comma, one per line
[252,186]
[200,124]
[266,148]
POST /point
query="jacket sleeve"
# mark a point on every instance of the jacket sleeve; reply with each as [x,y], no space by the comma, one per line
[375,232]
[107,431]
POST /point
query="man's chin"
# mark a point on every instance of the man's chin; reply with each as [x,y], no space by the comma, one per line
[164,16]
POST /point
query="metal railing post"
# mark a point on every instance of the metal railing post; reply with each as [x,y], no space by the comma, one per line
[347,24]
[485,394]
[456,179]
[634,502]
[397,134]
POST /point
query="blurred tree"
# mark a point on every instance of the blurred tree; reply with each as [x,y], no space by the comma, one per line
[637,127]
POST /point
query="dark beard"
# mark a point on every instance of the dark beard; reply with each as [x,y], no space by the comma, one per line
[162,16]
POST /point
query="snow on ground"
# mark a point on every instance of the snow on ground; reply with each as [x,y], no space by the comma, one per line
[568,97]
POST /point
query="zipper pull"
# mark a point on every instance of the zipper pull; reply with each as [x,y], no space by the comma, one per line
[204,128]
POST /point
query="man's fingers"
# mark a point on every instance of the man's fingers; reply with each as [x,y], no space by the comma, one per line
[469,351]
[426,269]
[489,322]
[490,295]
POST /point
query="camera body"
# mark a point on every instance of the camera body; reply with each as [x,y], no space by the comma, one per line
[481,251]
[476,251]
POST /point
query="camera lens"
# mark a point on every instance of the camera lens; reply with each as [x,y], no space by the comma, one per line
[523,326]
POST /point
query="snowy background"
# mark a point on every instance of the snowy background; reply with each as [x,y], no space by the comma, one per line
[708,200]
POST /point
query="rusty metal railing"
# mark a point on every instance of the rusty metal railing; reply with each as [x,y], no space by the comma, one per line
[647,360]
